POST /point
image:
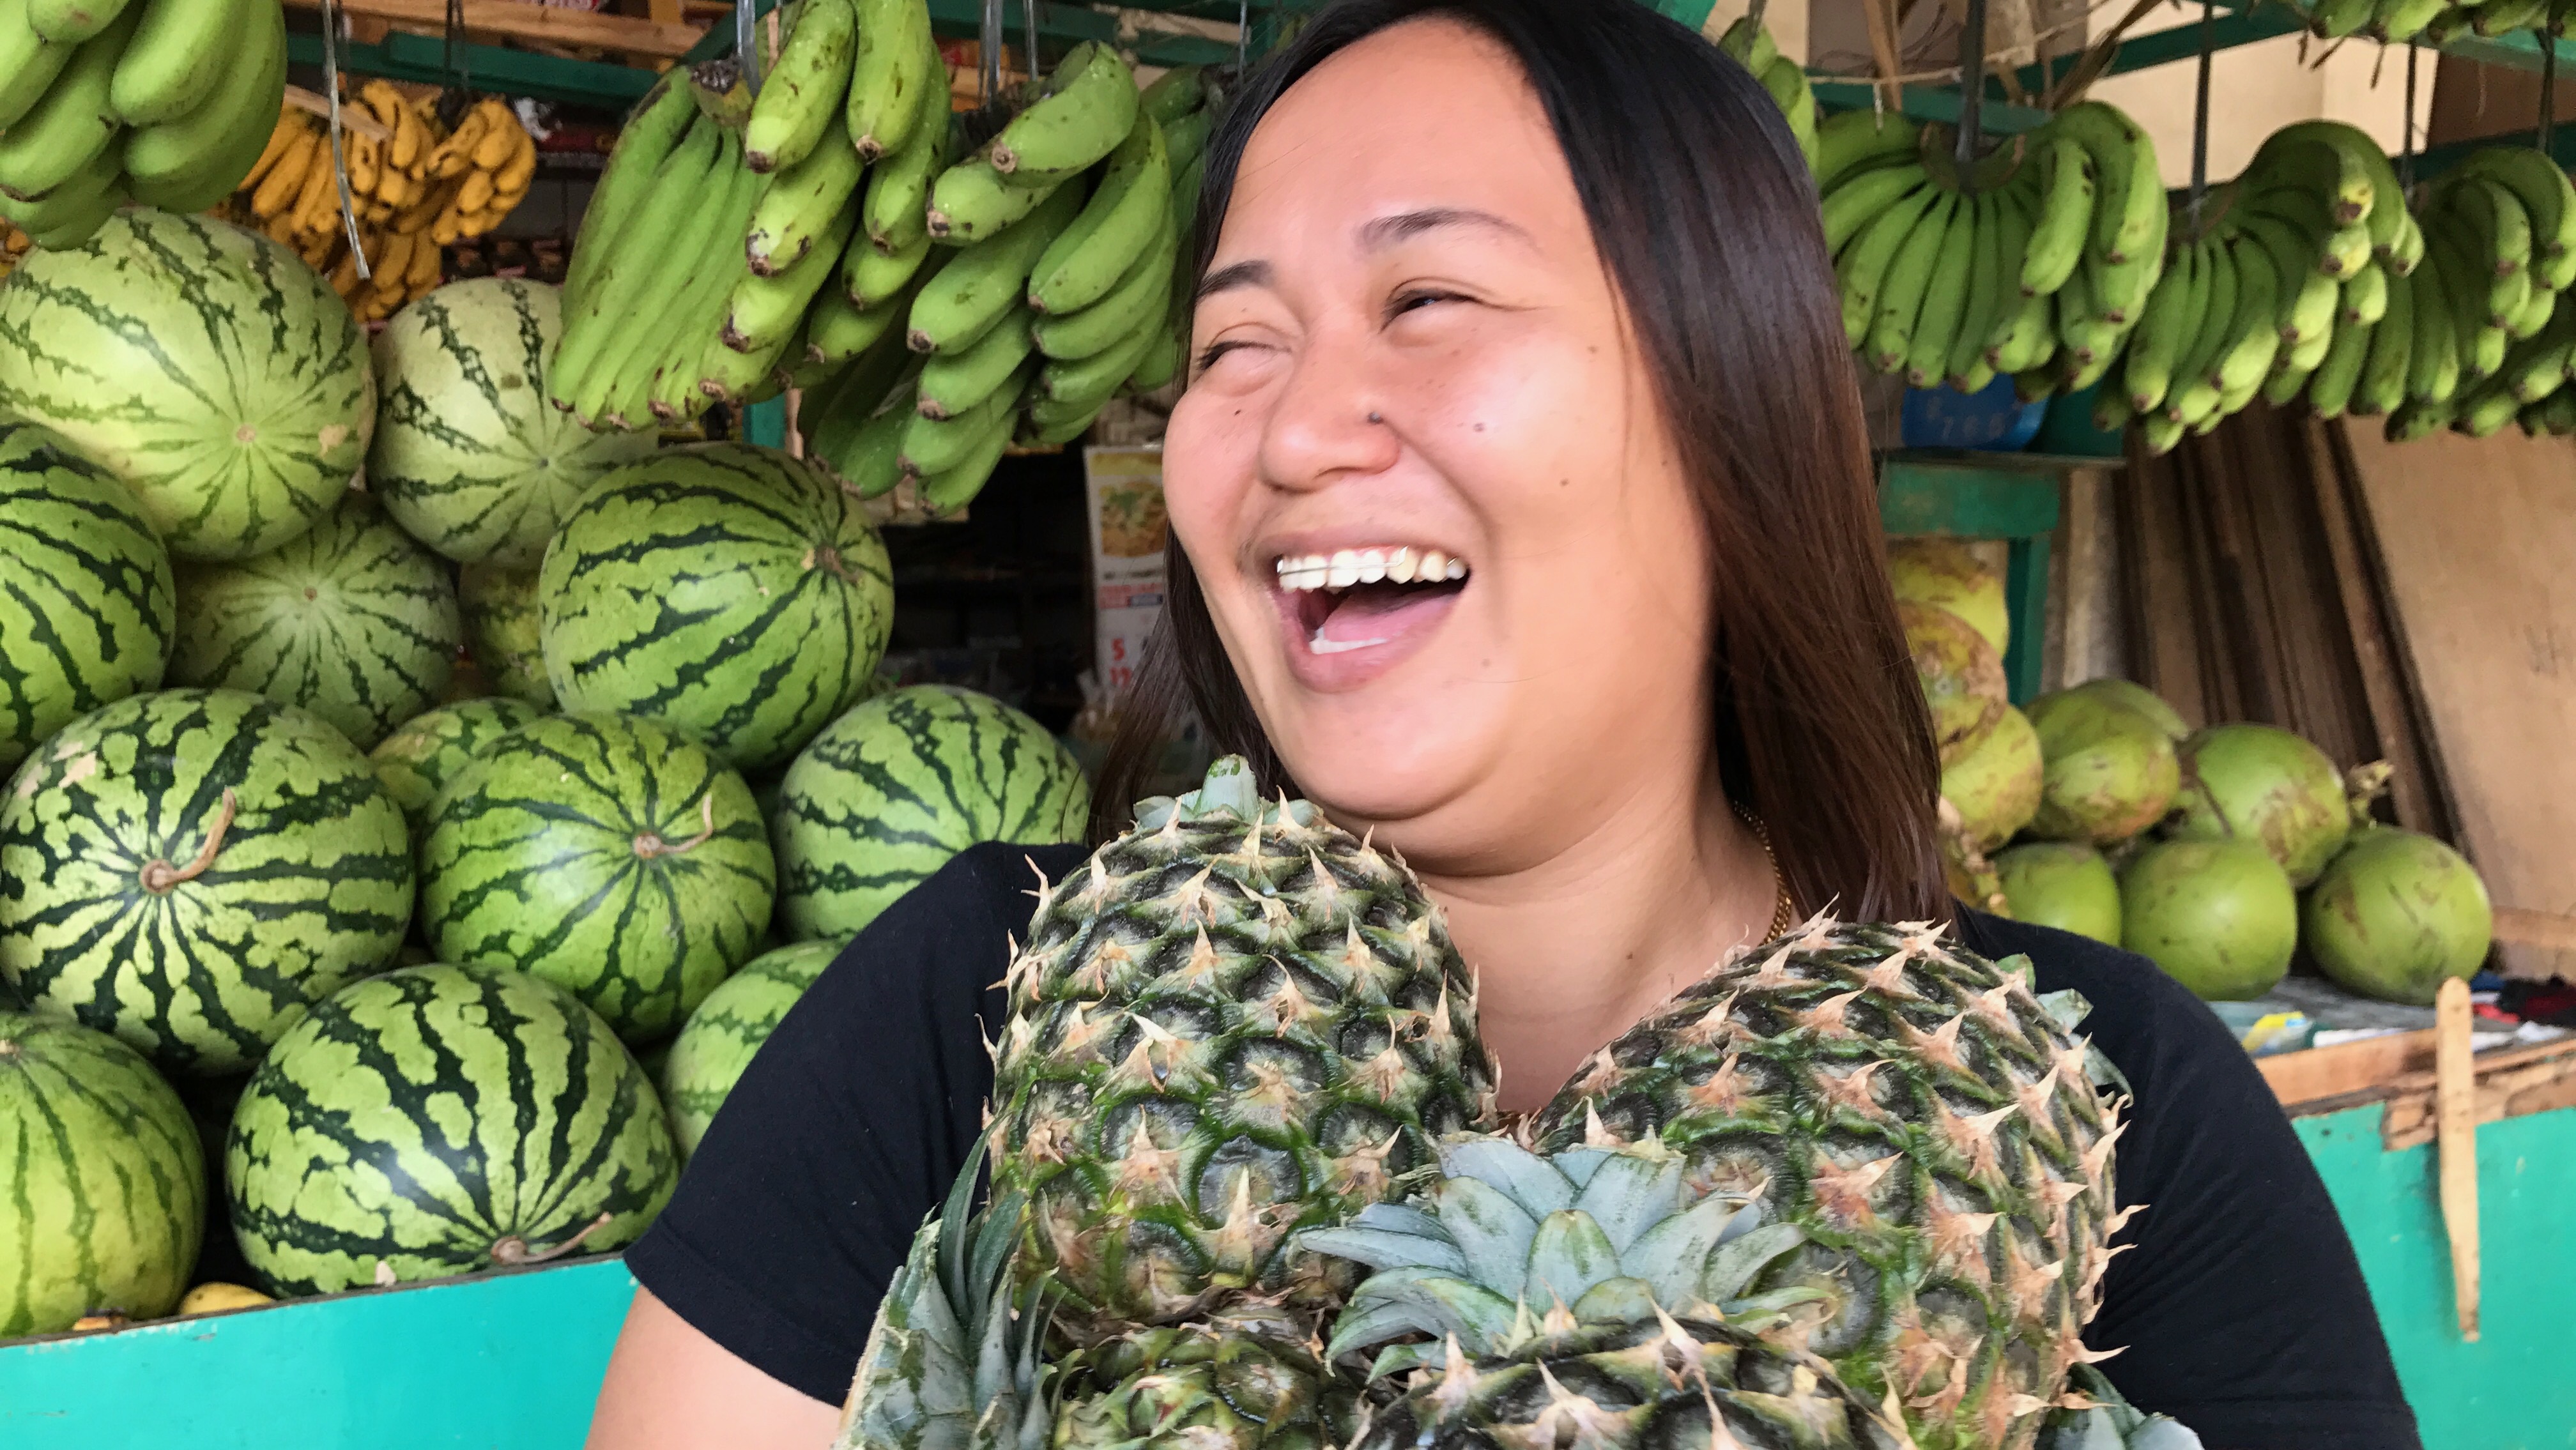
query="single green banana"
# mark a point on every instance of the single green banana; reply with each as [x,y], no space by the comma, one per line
[932,445]
[955,383]
[2171,317]
[2495,228]
[2111,411]
[72,124]
[2420,418]
[762,312]
[2433,367]
[848,396]
[2027,339]
[2385,376]
[2407,252]
[2320,162]
[74,198]
[870,277]
[2129,219]
[2465,283]
[79,223]
[2194,394]
[871,462]
[641,261]
[2536,311]
[954,487]
[1089,107]
[1993,288]
[28,63]
[2254,336]
[2307,353]
[2539,367]
[643,144]
[2330,390]
[69,22]
[728,376]
[2485,411]
[2306,301]
[179,52]
[2089,336]
[972,200]
[2065,217]
[1185,140]
[898,191]
[1909,277]
[839,330]
[1045,436]
[2500,17]
[2159,434]
[201,151]
[1049,416]
[1850,208]
[805,203]
[1180,91]
[1945,299]
[801,96]
[703,305]
[1128,212]
[2342,250]
[1096,378]
[2285,384]
[1863,267]
[1849,143]
[2394,22]
[2365,294]
[898,85]
[983,283]
[1140,301]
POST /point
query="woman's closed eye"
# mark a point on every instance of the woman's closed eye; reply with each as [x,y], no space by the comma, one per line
[1419,299]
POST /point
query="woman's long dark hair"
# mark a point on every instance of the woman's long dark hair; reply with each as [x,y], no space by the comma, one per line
[1704,213]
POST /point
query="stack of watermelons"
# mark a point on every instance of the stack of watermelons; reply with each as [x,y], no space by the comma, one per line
[344,807]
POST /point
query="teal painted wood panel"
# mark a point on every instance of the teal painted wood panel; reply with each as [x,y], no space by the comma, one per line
[2515,1389]
[502,1361]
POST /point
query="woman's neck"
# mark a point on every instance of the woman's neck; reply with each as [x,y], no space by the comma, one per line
[1571,951]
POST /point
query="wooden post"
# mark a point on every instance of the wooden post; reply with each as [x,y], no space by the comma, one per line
[2456,1099]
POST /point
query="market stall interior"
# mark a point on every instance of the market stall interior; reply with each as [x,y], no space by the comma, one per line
[524,527]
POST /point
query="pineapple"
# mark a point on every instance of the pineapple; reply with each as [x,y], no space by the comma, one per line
[1929,1126]
[1233,1022]
[1241,1381]
[1585,1299]
[953,1361]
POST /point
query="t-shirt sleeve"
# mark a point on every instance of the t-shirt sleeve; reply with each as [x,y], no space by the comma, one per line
[2238,1307]
[845,1131]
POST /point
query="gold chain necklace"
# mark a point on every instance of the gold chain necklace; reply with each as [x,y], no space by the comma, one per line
[1784,912]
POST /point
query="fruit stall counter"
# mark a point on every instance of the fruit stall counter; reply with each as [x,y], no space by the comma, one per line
[512,1359]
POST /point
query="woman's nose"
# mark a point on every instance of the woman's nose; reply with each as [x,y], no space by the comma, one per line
[1330,419]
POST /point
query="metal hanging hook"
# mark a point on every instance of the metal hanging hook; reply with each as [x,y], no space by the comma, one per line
[339,161]
[746,42]
[2200,114]
[1972,93]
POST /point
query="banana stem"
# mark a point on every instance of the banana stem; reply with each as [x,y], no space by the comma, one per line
[159,875]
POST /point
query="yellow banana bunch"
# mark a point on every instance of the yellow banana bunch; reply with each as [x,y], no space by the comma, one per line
[491,160]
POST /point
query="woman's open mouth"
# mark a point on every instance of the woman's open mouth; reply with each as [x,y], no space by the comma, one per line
[1353,611]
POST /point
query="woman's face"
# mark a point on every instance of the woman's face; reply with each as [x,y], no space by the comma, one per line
[1412,362]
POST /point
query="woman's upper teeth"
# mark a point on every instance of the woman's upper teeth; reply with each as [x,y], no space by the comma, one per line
[1345,567]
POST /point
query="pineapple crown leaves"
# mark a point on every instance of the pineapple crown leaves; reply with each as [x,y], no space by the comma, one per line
[1229,790]
[2099,1419]
[1513,1247]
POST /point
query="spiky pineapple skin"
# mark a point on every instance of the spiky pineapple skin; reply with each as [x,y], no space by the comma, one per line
[1917,1111]
[1219,1034]
[1240,1385]
[1637,1386]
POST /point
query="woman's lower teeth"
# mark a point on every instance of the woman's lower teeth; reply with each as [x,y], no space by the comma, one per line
[1323,646]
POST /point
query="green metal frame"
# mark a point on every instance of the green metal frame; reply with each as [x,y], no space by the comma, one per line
[2014,497]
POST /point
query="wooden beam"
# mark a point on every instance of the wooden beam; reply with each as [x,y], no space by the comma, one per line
[2535,928]
[543,23]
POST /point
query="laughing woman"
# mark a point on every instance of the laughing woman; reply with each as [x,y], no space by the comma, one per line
[1522,514]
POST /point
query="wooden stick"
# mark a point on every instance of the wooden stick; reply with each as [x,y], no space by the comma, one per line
[2455,1093]
[352,118]
[531,22]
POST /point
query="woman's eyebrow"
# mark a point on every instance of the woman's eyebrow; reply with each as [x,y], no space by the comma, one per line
[1387,231]
[1241,274]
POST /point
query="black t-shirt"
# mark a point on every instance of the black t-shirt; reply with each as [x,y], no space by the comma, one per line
[2241,1306]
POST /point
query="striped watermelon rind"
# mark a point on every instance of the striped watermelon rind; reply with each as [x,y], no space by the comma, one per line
[310,883]
[351,620]
[468,455]
[708,1056]
[611,857]
[901,783]
[87,606]
[428,751]
[500,609]
[437,1120]
[731,592]
[205,365]
[102,1180]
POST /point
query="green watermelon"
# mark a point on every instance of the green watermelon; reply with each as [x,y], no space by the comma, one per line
[102,1182]
[188,869]
[468,454]
[730,592]
[500,609]
[205,365]
[437,1120]
[605,855]
[351,620]
[413,762]
[708,1056]
[898,785]
[85,592]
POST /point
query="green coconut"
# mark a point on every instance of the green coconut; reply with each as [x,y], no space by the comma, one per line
[2111,770]
[2141,699]
[2218,916]
[1996,785]
[2395,914]
[2265,785]
[1962,677]
[1947,574]
[2064,884]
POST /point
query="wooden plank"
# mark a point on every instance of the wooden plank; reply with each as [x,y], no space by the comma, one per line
[532,22]
[2346,1068]
[2457,1148]
[2475,537]
[2536,929]
[2511,1083]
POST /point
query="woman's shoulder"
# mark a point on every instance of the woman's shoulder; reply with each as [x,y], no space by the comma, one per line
[970,909]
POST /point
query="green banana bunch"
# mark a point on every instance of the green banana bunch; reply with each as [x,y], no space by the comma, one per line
[897,83]
[983,283]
